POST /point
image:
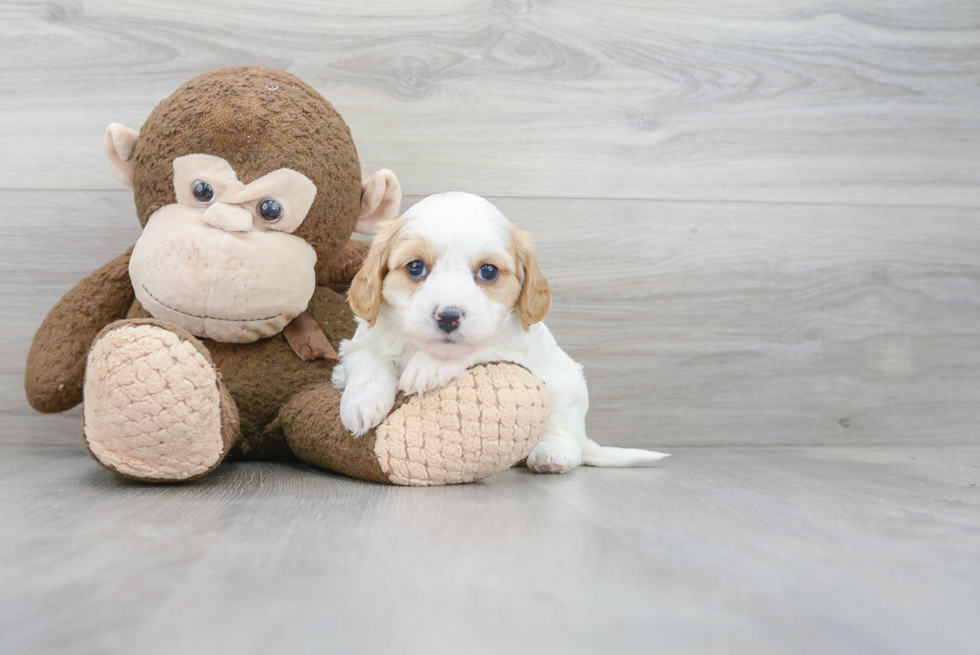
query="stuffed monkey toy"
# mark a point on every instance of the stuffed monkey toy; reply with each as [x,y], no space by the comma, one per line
[215,334]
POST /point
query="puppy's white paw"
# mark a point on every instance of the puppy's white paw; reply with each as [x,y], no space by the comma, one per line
[364,406]
[554,456]
[424,373]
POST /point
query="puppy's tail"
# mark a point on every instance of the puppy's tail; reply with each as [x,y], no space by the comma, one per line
[608,457]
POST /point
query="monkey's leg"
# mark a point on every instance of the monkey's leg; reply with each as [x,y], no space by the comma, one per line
[474,427]
[155,408]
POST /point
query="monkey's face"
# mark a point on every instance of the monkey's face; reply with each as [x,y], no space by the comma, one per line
[266,191]
[222,261]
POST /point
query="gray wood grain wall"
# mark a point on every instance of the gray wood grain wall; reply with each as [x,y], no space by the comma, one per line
[761,220]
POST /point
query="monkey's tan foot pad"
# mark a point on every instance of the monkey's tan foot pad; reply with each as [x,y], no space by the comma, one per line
[154,405]
[477,426]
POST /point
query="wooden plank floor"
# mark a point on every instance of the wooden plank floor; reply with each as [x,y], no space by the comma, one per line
[739,550]
[761,223]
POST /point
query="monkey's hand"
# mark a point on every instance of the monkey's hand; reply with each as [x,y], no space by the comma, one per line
[56,362]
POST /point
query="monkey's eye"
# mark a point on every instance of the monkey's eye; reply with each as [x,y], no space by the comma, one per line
[416,269]
[487,273]
[270,210]
[203,191]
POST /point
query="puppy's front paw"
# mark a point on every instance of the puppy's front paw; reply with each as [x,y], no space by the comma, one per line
[366,405]
[424,373]
[554,456]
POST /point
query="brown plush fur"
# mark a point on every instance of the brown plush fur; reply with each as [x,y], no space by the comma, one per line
[342,269]
[274,405]
[232,113]
[56,362]
[311,425]
[235,114]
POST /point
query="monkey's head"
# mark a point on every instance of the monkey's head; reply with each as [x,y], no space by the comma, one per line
[247,185]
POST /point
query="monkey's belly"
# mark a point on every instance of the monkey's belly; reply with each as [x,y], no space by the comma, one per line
[263,375]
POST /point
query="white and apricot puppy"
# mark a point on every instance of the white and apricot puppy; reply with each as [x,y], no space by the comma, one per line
[450,284]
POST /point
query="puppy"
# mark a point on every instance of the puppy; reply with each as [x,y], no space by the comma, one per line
[450,284]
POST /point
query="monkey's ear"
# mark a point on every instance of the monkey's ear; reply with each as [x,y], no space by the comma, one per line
[381,198]
[120,147]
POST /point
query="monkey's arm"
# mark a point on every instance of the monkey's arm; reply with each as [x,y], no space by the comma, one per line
[346,265]
[56,362]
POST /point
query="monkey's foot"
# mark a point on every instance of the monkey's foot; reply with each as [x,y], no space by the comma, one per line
[474,427]
[155,408]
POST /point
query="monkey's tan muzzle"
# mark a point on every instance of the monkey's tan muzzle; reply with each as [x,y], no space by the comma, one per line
[235,286]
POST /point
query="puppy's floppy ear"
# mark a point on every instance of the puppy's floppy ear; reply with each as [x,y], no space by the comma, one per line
[534,300]
[364,295]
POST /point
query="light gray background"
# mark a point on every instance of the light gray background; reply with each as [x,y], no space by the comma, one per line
[761,223]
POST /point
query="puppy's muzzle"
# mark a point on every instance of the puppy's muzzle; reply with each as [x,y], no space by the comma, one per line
[448,318]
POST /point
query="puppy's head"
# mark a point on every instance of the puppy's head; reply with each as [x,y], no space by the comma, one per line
[449,272]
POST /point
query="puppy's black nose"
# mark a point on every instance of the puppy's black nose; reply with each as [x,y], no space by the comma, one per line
[448,319]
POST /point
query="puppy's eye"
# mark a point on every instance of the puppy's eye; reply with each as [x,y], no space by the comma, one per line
[270,210]
[487,273]
[416,269]
[203,191]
